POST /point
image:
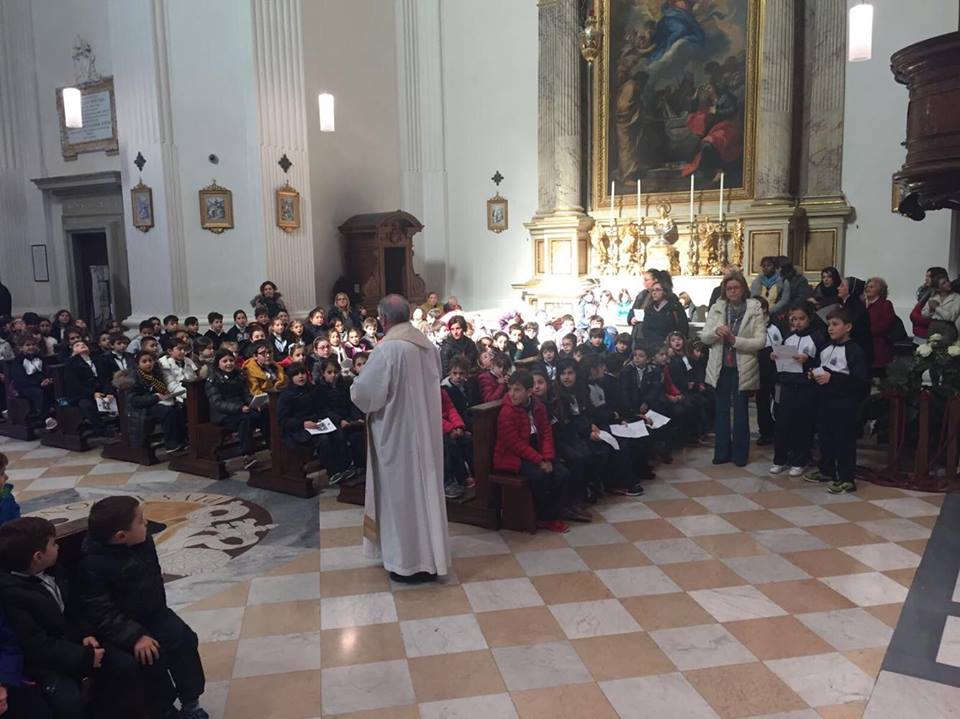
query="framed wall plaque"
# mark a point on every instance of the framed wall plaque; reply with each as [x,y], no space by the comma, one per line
[216,208]
[497,214]
[38,254]
[288,208]
[99,131]
[141,206]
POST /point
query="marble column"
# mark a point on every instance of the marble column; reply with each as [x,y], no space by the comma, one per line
[824,72]
[145,125]
[559,108]
[775,103]
[282,129]
[422,153]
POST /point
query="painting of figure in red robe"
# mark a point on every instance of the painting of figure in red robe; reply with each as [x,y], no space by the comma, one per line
[678,95]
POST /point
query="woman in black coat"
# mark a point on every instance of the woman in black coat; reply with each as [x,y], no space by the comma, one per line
[849,293]
[825,293]
[662,316]
[343,310]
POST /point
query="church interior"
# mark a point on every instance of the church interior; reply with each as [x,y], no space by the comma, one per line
[589,205]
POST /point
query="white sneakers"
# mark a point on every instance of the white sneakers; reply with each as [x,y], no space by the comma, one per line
[780,468]
[797,471]
[777,468]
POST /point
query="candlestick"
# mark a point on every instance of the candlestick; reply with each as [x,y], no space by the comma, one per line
[691,198]
[613,193]
[721,197]
[638,201]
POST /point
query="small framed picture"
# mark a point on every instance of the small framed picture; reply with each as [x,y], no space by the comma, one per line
[141,206]
[497,213]
[288,209]
[216,208]
[39,255]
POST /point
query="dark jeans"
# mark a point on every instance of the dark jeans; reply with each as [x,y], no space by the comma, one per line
[796,423]
[837,430]
[768,382]
[88,406]
[735,446]
[179,661]
[117,690]
[356,439]
[40,399]
[243,423]
[457,459]
[549,488]
[331,449]
[172,421]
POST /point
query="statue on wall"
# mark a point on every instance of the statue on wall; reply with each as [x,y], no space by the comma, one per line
[600,248]
[84,62]
[664,227]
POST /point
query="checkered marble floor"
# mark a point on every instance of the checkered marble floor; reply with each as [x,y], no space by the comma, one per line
[723,593]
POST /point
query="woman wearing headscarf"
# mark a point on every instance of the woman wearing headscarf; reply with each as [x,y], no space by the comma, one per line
[850,292]
[826,291]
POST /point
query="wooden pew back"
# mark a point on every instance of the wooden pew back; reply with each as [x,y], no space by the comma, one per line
[287,471]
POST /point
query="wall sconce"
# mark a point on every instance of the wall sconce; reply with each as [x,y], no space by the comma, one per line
[860,39]
[72,109]
[325,105]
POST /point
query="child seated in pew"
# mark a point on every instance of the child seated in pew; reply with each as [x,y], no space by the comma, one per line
[531,333]
[257,334]
[48,343]
[295,331]
[118,359]
[493,382]
[295,353]
[457,449]
[9,509]
[192,325]
[525,446]
[335,399]
[229,399]
[458,387]
[238,333]
[279,340]
[594,345]
[640,384]
[263,374]
[670,401]
[82,387]
[121,588]
[319,352]
[683,376]
[548,359]
[621,351]
[359,361]
[369,339]
[316,325]
[501,342]
[337,350]
[30,380]
[205,352]
[151,346]
[145,329]
[215,333]
[103,344]
[177,368]
[518,346]
[66,346]
[299,409]
[149,401]
[352,346]
[61,649]
[568,345]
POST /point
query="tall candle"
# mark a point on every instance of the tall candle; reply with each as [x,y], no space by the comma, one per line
[691,198]
[721,197]
[638,200]
[613,193]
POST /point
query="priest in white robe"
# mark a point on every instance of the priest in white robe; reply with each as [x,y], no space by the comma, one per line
[405,512]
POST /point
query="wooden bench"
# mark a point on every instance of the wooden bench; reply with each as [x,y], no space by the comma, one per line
[18,424]
[70,537]
[206,439]
[67,435]
[289,466]
[124,450]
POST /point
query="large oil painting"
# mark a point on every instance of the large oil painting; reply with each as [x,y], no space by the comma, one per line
[675,96]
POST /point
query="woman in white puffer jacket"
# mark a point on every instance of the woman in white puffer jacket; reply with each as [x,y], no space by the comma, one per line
[735,331]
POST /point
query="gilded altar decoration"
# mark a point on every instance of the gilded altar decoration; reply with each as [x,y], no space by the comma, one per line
[693,255]
[600,250]
[675,96]
[288,208]
[736,256]
[216,208]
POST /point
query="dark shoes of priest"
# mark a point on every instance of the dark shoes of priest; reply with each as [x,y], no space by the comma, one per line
[417,578]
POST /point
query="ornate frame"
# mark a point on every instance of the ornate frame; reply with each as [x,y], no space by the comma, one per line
[599,187]
[110,145]
[492,225]
[216,226]
[288,192]
[141,189]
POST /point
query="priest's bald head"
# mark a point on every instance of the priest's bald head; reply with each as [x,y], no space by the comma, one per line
[393,310]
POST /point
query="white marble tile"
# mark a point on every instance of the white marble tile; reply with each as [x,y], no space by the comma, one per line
[489,706]
[868,589]
[848,629]
[478,545]
[287,588]
[351,557]
[658,490]
[818,494]
[497,594]
[114,468]
[80,458]
[341,518]
[900,529]
[747,485]
[765,568]
[679,474]
[883,557]
[277,654]
[663,695]
[808,516]
[594,619]
[792,539]
[154,475]
[365,687]
[730,604]
[908,507]
[442,635]
[672,551]
[725,503]
[214,699]
[46,453]
[540,665]
[824,679]
[54,483]
[17,475]
[629,511]
[550,561]
[897,696]
[949,652]
[637,581]
[701,524]
[587,535]
[215,625]
[799,714]
[706,645]
[357,610]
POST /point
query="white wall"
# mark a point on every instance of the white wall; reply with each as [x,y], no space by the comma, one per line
[879,242]
[490,120]
[349,50]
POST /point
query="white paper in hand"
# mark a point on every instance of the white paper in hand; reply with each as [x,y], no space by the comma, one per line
[324,426]
[259,400]
[630,431]
[609,439]
[659,420]
[783,356]
[107,405]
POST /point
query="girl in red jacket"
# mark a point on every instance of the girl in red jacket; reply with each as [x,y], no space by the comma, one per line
[457,450]
[493,383]
[525,446]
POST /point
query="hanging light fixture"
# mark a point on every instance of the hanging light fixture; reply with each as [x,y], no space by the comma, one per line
[72,110]
[860,40]
[325,104]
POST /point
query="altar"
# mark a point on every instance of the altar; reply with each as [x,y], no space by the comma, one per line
[695,158]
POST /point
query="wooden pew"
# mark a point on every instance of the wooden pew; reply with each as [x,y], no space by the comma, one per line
[288,468]
[206,439]
[124,450]
[67,435]
[17,425]
[70,538]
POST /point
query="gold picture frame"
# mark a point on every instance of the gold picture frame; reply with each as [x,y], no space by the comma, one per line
[216,208]
[141,206]
[604,133]
[288,208]
[498,214]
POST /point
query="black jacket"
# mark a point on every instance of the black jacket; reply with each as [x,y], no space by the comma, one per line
[464,347]
[351,317]
[217,339]
[227,394]
[19,378]
[79,381]
[640,387]
[295,406]
[335,402]
[463,398]
[849,372]
[121,587]
[107,366]
[50,639]
[658,324]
